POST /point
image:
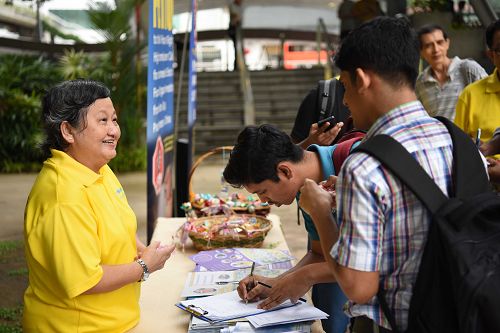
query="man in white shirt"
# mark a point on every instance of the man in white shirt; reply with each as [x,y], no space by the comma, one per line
[440,84]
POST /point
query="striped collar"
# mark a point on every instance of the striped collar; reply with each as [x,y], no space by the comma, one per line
[400,116]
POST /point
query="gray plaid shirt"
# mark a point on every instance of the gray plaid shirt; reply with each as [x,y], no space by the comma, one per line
[441,100]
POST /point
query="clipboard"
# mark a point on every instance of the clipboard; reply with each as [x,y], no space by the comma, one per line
[223,307]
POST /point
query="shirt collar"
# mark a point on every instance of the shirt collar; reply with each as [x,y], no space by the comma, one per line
[75,169]
[427,73]
[399,116]
[493,83]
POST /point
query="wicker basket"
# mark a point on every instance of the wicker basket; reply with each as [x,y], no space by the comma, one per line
[238,230]
[241,206]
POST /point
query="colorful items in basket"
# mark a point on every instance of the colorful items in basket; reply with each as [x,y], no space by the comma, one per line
[209,204]
[236,230]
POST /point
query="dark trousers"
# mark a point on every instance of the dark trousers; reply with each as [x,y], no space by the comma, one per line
[366,325]
[232,34]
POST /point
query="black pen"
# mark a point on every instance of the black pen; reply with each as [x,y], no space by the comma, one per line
[268,286]
[251,274]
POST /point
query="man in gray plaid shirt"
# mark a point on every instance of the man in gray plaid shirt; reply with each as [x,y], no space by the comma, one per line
[440,84]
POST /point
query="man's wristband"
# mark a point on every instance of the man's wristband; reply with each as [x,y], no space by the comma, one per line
[145,270]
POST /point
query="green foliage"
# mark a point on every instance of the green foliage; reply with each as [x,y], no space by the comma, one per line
[31,75]
[56,32]
[18,272]
[129,159]
[126,80]
[74,65]
[26,78]
[21,132]
[10,319]
[431,5]
[9,246]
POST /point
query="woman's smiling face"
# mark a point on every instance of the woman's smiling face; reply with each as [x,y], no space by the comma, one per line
[94,145]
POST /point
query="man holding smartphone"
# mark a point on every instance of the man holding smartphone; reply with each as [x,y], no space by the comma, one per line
[320,104]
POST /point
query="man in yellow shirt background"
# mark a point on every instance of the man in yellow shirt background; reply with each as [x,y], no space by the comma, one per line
[478,107]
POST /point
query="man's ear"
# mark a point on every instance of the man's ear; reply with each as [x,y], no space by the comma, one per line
[284,169]
[363,80]
[67,132]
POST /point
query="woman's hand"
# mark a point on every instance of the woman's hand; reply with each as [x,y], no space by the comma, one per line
[140,247]
[155,255]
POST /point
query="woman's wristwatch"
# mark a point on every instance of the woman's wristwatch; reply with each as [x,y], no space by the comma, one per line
[145,270]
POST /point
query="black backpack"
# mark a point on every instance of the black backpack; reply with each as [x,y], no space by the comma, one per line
[329,100]
[458,282]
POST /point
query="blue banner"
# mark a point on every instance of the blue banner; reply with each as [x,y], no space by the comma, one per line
[192,81]
[160,123]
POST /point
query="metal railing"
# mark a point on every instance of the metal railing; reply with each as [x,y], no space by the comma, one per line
[245,85]
[322,37]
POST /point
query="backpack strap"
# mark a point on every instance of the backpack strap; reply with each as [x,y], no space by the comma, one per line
[344,147]
[324,92]
[401,163]
[469,173]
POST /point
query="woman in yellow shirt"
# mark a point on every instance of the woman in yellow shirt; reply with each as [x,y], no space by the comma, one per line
[83,255]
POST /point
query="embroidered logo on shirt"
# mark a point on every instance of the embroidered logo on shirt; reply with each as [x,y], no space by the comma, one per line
[120,192]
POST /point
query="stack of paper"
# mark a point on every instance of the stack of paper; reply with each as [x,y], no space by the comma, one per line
[245,327]
[211,283]
[223,307]
[200,326]
[294,314]
[229,306]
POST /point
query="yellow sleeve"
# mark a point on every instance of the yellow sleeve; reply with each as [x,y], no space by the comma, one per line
[462,112]
[66,245]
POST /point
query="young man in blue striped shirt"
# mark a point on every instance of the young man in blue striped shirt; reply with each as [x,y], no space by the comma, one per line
[382,227]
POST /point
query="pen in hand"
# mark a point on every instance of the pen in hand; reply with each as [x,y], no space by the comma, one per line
[268,286]
[478,138]
[248,285]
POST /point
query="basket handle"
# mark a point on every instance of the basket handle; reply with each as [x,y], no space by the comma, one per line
[198,162]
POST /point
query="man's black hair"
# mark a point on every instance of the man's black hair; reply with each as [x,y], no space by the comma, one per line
[257,153]
[490,32]
[427,29]
[386,45]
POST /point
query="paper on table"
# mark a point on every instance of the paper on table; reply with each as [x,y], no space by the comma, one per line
[233,258]
[245,327]
[299,313]
[223,307]
[211,283]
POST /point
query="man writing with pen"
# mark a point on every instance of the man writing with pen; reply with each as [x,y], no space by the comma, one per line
[266,162]
[243,291]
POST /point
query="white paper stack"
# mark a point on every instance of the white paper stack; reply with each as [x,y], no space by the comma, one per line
[294,314]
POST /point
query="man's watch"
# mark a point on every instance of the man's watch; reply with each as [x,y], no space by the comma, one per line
[145,270]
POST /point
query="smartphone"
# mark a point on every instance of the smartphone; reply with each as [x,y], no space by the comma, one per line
[330,119]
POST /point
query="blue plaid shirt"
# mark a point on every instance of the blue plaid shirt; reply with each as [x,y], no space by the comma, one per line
[382,225]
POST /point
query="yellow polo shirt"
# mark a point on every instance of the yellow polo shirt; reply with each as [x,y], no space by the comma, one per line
[76,221]
[479,107]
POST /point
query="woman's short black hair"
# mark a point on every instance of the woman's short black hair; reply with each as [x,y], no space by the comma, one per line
[68,101]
